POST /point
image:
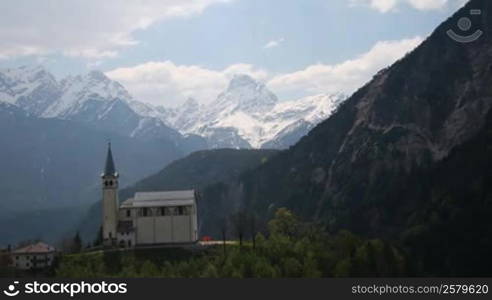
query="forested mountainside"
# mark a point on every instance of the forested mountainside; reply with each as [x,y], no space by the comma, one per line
[406,158]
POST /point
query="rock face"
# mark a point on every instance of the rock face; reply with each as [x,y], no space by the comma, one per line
[374,165]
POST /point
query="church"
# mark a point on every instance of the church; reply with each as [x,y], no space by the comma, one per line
[149,218]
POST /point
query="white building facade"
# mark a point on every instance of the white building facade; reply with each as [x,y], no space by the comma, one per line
[35,256]
[149,218]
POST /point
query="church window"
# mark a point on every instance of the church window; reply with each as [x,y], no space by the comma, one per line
[183,210]
[128,213]
[162,211]
[146,212]
[111,183]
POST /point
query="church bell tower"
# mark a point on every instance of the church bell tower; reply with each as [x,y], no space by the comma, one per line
[110,200]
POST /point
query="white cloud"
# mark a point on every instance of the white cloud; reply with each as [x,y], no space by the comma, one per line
[347,76]
[274,43]
[165,83]
[88,28]
[427,4]
[385,6]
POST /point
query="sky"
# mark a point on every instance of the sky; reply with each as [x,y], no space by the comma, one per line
[165,51]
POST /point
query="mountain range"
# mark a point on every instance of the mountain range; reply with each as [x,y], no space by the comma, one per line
[407,158]
[245,115]
[248,115]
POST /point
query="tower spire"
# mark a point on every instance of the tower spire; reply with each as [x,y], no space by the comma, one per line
[109,169]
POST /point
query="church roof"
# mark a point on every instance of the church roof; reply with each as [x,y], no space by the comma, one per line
[109,169]
[162,198]
[165,195]
[127,203]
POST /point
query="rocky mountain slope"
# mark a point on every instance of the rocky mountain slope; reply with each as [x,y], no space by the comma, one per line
[407,158]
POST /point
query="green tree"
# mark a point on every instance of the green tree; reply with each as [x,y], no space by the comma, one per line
[284,223]
[76,243]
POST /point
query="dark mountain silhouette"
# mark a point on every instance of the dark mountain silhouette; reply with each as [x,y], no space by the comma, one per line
[406,158]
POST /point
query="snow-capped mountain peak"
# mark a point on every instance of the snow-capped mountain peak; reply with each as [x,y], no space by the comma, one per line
[247,114]
[247,95]
[242,80]
[77,90]
[29,87]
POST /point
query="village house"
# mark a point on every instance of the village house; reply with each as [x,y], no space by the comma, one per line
[35,256]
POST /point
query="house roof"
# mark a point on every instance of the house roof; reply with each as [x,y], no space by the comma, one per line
[162,198]
[39,247]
